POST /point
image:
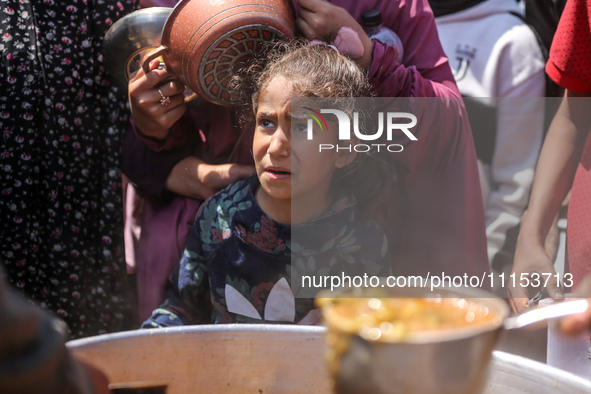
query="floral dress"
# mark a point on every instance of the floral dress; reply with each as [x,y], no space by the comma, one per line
[62,122]
[241,266]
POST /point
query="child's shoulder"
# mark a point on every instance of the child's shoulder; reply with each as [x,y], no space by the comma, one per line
[227,202]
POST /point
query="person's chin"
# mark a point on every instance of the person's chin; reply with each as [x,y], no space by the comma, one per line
[277,191]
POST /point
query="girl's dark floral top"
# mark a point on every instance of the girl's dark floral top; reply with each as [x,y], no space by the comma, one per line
[240,265]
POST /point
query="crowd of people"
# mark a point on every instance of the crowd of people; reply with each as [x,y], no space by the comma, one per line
[217,192]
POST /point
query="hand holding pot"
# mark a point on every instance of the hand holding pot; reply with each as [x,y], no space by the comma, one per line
[204,43]
[321,20]
[156,102]
[530,257]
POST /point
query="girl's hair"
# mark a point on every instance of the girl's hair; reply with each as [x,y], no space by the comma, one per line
[320,71]
[314,71]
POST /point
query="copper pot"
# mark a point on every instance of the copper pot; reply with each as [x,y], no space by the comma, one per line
[205,41]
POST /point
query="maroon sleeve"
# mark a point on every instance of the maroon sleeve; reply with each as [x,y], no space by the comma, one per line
[441,211]
[178,136]
[148,168]
[424,71]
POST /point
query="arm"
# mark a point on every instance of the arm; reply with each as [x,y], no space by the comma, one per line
[439,173]
[188,299]
[321,20]
[176,170]
[172,166]
[425,70]
[194,178]
[148,169]
[156,128]
[555,172]
[152,116]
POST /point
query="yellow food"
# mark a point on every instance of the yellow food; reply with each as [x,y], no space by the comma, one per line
[395,322]
[396,319]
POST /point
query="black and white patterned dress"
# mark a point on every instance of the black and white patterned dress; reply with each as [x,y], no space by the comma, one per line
[62,122]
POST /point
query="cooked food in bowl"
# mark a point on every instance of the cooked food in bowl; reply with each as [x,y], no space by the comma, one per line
[401,340]
[406,319]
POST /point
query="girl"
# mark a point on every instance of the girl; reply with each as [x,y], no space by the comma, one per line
[240,257]
[175,171]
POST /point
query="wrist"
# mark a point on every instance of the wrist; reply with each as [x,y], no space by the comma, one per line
[531,234]
[365,60]
[536,225]
[203,171]
[158,136]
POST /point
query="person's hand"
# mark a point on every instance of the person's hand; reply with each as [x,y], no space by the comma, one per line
[321,20]
[532,268]
[577,324]
[152,115]
[194,178]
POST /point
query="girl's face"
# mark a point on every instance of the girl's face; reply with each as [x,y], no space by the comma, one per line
[289,166]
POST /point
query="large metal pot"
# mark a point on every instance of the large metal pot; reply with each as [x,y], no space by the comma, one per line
[245,358]
[204,42]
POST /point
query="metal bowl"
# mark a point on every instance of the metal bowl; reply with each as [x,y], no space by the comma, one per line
[130,38]
[421,364]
